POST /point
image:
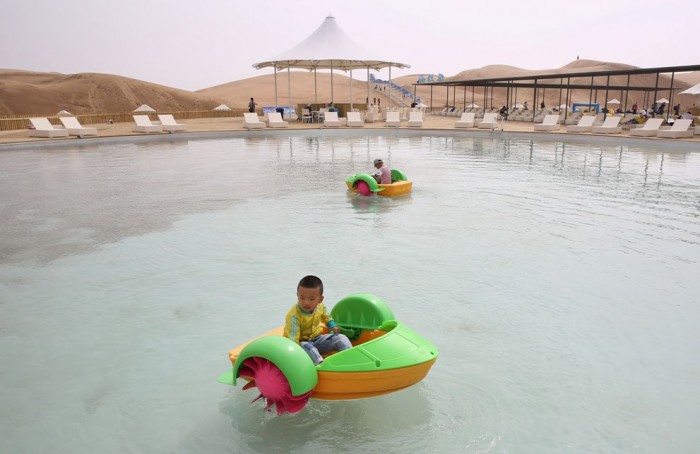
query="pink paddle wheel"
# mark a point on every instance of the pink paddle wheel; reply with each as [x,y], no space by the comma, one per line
[363,188]
[273,385]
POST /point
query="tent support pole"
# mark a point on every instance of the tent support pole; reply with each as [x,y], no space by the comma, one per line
[389,86]
[275,85]
[289,88]
[367,106]
[351,90]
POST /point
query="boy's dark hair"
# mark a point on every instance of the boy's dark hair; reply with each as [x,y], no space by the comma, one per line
[311,282]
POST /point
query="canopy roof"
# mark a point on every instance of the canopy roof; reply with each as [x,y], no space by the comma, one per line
[329,47]
[694,90]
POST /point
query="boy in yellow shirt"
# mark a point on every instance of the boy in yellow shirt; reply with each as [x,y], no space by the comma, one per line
[303,322]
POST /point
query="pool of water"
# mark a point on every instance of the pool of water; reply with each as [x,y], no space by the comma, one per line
[558,280]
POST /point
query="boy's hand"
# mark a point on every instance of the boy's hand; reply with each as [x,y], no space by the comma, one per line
[335,329]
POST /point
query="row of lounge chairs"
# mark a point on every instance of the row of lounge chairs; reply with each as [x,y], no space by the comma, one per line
[586,124]
[468,120]
[611,125]
[71,127]
[331,120]
[167,124]
[41,127]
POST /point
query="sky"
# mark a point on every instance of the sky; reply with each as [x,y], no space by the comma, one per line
[193,45]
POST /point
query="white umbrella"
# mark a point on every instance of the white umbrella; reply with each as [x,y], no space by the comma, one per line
[144,108]
[613,101]
[662,100]
[563,106]
[472,105]
[64,113]
[222,107]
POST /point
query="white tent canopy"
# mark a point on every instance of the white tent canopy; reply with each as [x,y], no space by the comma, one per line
[222,107]
[694,90]
[329,47]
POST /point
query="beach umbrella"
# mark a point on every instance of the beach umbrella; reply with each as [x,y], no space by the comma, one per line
[222,107]
[64,113]
[563,106]
[662,100]
[472,105]
[613,101]
[144,108]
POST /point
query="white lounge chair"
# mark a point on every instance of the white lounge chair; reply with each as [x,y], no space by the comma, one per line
[585,124]
[75,128]
[393,119]
[573,118]
[680,128]
[465,121]
[490,121]
[43,128]
[143,124]
[251,121]
[330,120]
[274,120]
[611,125]
[648,129]
[169,124]
[415,119]
[355,120]
[550,123]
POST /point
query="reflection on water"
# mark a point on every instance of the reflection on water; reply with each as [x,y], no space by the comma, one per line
[558,279]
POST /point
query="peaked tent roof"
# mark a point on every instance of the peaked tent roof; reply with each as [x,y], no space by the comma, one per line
[329,47]
[694,90]
[222,107]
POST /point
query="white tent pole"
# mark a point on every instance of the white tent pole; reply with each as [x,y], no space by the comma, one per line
[389,86]
[350,89]
[275,85]
[367,106]
[315,87]
[289,87]
[332,99]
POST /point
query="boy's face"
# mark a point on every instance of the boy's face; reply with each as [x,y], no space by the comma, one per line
[309,298]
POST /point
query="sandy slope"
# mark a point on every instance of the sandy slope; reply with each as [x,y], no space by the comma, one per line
[26,92]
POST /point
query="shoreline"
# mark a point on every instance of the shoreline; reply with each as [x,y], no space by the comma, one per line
[235,124]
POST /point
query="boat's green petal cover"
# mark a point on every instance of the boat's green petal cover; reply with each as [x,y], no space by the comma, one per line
[288,356]
[400,347]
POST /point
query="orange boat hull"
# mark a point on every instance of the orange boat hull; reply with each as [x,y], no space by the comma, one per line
[390,190]
[359,385]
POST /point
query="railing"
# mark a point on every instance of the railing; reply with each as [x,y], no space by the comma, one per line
[9,123]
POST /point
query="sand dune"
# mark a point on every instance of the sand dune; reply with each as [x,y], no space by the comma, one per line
[35,93]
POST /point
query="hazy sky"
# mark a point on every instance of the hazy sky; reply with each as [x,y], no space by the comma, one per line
[194,44]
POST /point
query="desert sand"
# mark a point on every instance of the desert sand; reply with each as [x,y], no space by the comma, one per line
[26,93]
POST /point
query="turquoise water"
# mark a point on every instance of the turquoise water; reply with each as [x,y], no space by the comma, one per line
[558,280]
